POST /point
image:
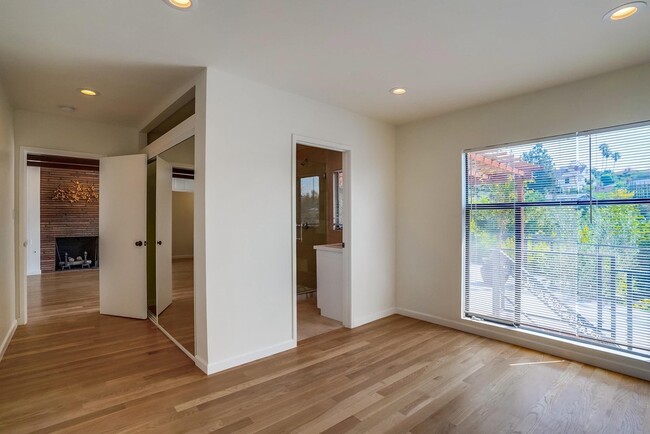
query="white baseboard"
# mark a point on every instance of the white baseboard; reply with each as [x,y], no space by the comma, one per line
[201,364]
[6,339]
[564,348]
[212,368]
[373,317]
[426,317]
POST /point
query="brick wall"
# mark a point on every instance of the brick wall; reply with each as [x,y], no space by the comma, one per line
[65,219]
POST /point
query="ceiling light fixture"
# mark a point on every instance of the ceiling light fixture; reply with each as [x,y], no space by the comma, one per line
[624,11]
[179,4]
[89,92]
[67,108]
[398,91]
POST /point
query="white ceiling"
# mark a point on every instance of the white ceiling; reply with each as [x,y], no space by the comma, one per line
[449,53]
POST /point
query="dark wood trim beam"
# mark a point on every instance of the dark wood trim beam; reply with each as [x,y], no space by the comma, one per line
[61,162]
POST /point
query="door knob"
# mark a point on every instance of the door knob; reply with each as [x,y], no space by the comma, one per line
[159,243]
[138,243]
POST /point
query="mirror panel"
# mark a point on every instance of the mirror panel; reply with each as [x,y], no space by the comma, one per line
[177,222]
[170,208]
[163,235]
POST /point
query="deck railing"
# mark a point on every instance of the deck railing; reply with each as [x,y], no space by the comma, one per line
[607,274]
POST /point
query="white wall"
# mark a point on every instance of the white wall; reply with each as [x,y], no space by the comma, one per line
[248,213]
[429,188]
[61,133]
[66,133]
[7,281]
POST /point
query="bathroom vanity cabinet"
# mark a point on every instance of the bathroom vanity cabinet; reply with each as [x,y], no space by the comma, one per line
[329,280]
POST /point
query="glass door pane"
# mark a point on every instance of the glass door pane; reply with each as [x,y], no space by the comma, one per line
[311,218]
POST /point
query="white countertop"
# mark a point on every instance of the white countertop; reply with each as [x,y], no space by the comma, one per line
[338,247]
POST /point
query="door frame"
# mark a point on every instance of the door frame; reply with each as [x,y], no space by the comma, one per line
[347,227]
[21,283]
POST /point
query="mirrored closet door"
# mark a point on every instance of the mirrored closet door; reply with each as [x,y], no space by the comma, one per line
[170,242]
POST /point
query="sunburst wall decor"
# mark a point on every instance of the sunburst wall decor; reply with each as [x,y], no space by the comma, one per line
[78,192]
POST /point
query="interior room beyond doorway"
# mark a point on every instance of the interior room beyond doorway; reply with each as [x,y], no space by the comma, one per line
[319,240]
[62,231]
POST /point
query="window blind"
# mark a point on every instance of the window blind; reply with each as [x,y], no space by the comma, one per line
[557,236]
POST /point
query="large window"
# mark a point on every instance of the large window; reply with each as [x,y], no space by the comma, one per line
[557,236]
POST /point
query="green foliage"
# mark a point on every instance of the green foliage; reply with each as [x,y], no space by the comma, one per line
[543,179]
[497,192]
[585,235]
[532,195]
[607,154]
[538,257]
[618,224]
[539,156]
[607,178]
[643,304]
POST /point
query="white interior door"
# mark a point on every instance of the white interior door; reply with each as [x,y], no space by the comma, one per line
[122,235]
[163,234]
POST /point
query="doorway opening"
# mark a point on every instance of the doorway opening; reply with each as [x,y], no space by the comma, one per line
[320,257]
[60,225]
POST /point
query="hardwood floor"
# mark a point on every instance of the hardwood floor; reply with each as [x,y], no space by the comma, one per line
[72,370]
[65,293]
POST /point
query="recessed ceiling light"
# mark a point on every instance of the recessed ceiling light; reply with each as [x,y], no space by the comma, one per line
[89,92]
[398,91]
[179,4]
[624,11]
[67,108]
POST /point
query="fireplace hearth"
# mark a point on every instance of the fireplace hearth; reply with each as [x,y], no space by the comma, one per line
[77,252]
